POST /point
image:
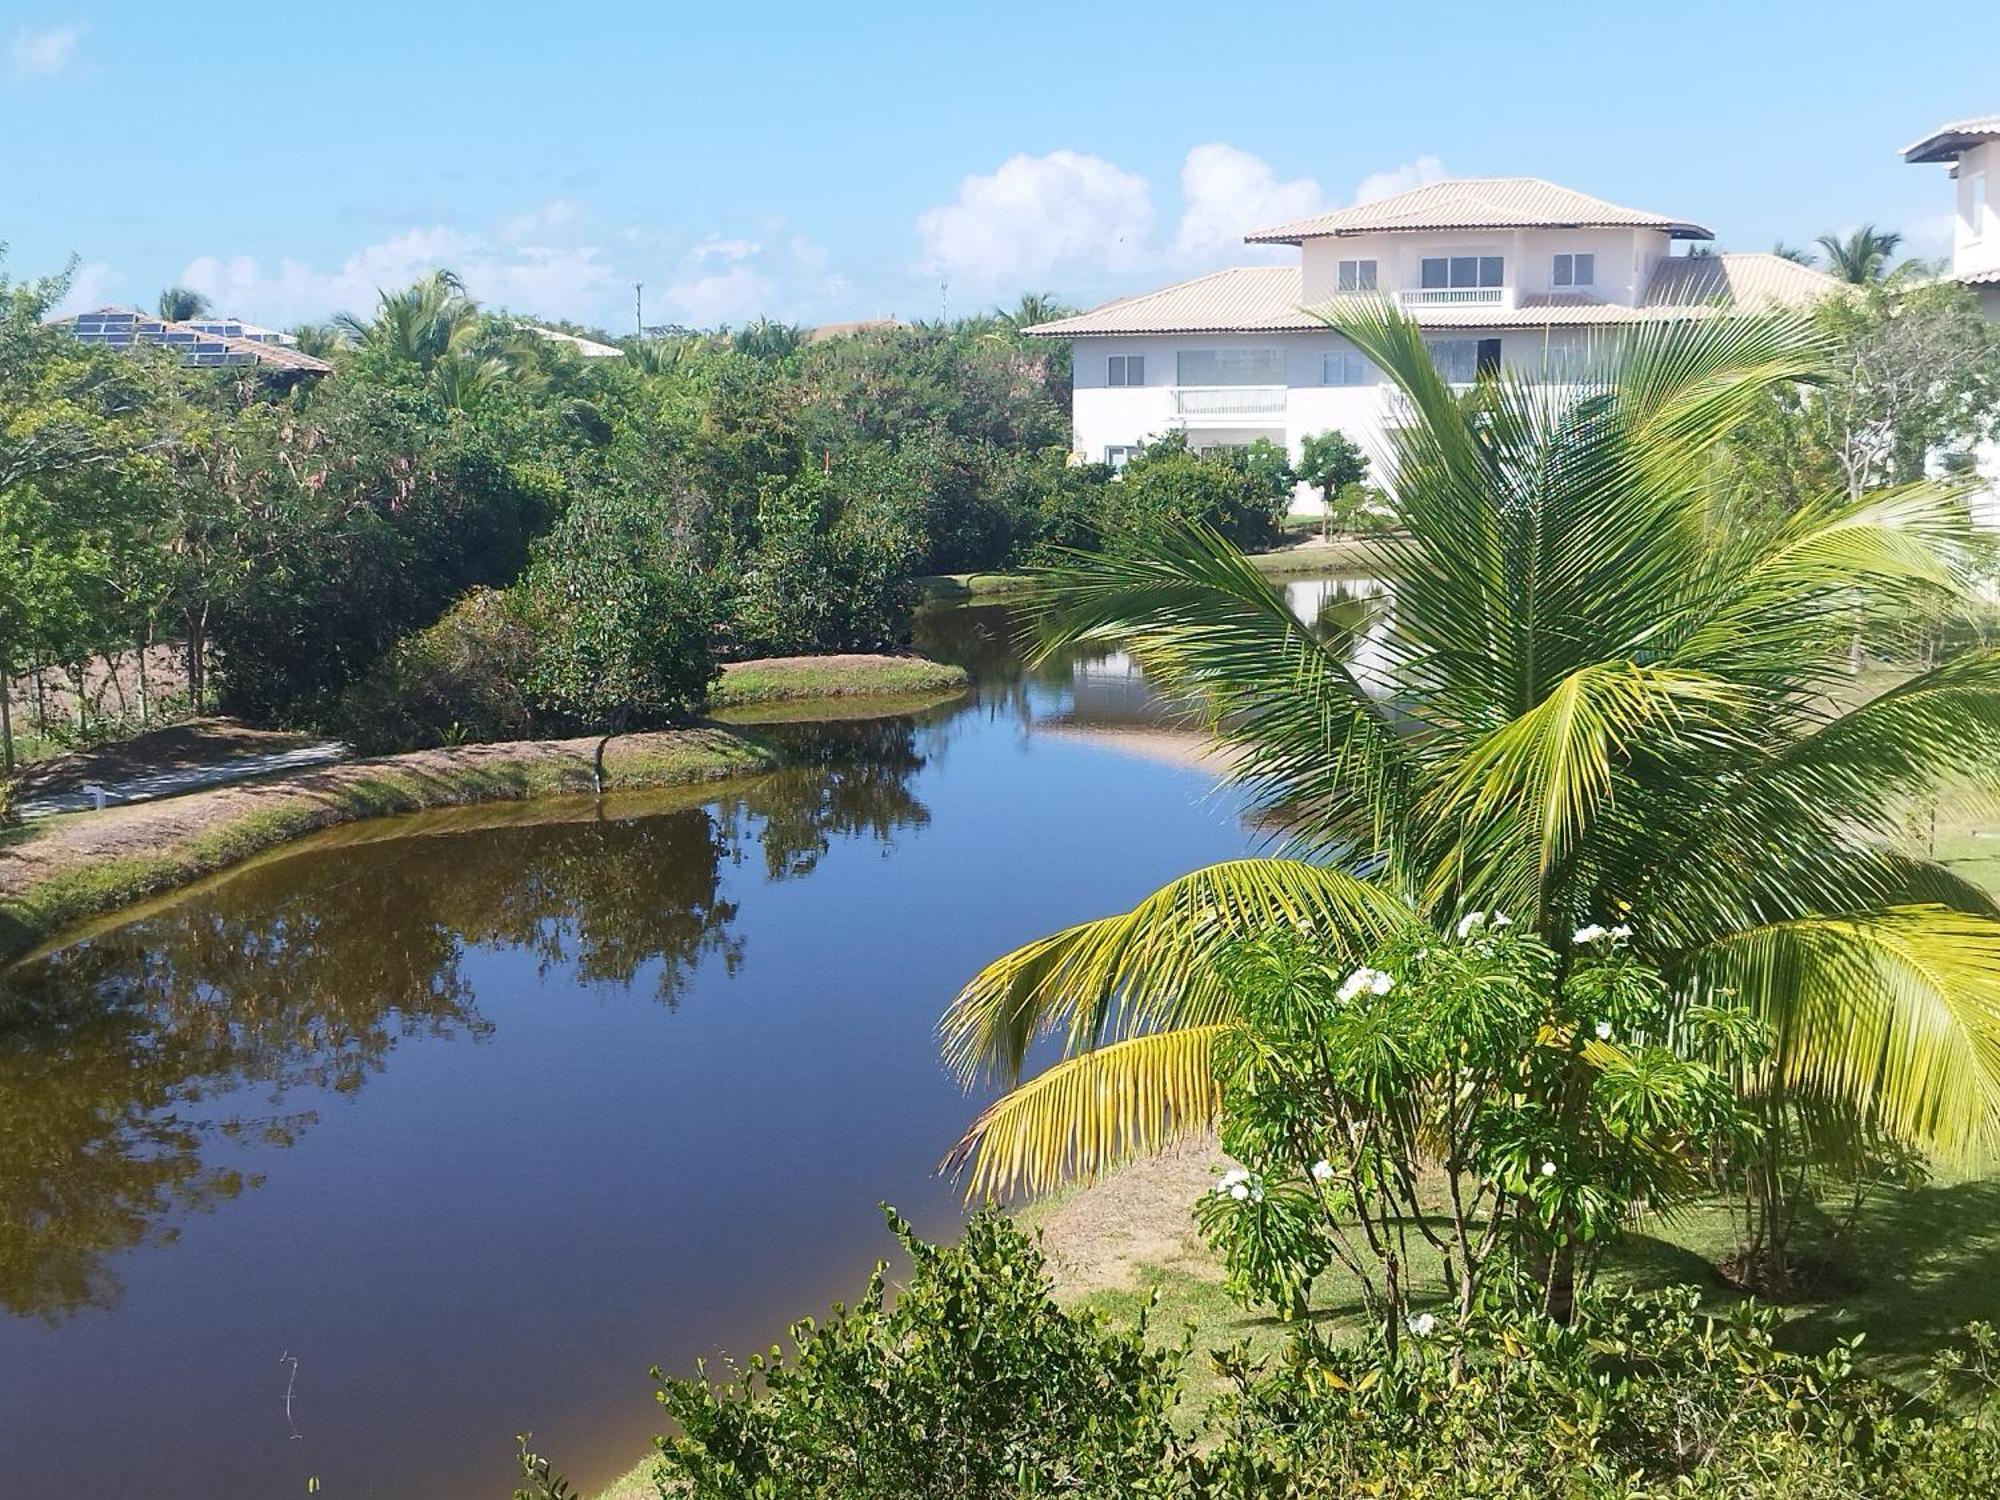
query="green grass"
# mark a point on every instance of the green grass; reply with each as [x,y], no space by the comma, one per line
[791,679]
[394,784]
[946,588]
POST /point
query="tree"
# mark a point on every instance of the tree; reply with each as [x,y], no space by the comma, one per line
[1861,257]
[1797,255]
[1590,706]
[179,303]
[624,615]
[1332,463]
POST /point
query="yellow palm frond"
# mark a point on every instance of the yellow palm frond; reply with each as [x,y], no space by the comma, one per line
[1127,1099]
[1154,967]
[1894,1013]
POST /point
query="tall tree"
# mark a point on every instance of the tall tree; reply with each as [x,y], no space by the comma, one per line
[1589,705]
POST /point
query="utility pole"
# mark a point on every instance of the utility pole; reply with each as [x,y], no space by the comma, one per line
[944,301]
[639,307]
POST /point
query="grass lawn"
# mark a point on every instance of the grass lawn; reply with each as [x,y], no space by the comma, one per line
[784,679]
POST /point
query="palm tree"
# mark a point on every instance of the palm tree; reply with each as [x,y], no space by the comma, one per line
[1597,705]
[179,303]
[767,338]
[1033,308]
[1798,255]
[1863,256]
[421,324]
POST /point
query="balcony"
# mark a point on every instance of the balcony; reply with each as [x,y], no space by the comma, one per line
[1455,296]
[1213,404]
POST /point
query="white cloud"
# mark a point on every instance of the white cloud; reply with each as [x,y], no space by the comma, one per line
[539,223]
[1929,236]
[89,288]
[43,52]
[550,282]
[1411,174]
[1036,214]
[715,247]
[737,295]
[1226,193]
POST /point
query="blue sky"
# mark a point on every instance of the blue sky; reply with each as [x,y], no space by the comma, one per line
[819,162]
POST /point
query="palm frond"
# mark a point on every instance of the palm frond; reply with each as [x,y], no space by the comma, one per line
[1896,1013]
[1156,965]
[1131,1098]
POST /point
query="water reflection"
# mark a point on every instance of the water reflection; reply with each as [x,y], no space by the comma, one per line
[125,1058]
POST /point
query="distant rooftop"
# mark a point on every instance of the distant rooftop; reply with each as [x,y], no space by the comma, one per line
[1266,299]
[201,343]
[588,348]
[1949,142]
[827,331]
[1477,203]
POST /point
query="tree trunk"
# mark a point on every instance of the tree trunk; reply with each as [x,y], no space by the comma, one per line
[7,724]
[145,698]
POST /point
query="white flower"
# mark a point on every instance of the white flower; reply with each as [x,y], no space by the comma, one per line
[1620,933]
[1548,1169]
[1375,981]
[1239,1191]
[1423,1324]
[1470,923]
[1256,1192]
[1604,1031]
[1234,1178]
[1322,1170]
[1594,932]
[1500,919]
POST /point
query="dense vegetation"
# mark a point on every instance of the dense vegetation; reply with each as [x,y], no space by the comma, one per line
[701,499]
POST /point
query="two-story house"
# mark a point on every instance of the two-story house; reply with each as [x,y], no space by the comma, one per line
[1971,150]
[1499,272]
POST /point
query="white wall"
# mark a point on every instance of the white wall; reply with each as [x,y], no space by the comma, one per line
[1625,258]
[1976,235]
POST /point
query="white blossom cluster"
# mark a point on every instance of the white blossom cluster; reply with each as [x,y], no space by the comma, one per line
[1322,1170]
[1423,1325]
[1597,932]
[1373,981]
[1241,1184]
[1481,921]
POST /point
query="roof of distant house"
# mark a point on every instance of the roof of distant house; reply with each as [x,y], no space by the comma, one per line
[1949,142]
[1266,299]
[588,348]
[198,343]
[1477,203]
[827,331]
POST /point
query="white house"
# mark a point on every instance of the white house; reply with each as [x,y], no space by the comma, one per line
[1971,148]
[1499,271]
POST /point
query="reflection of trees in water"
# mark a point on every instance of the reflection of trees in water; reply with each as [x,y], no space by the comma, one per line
[124,1058]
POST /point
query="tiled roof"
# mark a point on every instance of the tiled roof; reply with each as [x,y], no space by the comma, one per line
[1948,142]
[1266,299]
[1477,203]
[1979,278]
[122,327]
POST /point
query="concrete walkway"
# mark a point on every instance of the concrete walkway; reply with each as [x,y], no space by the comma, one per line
[157,784]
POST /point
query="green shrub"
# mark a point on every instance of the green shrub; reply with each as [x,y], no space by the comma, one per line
[1642,1398]
[464,678]
[1240,492]
[973,1385]
[624,617]
[828,571]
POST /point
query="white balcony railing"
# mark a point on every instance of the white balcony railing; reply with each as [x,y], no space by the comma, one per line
[1231,401]
[1454,296]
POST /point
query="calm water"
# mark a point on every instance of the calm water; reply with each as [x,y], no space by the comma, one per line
[475,1116]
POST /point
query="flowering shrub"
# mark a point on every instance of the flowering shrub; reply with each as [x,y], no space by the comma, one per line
[1505,1104]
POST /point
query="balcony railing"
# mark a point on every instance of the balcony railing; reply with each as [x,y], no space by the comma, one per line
[1229,401]
[1454,296]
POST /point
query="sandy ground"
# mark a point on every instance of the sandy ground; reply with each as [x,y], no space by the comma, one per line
[184,746]
[1174,747]
[1103,1237]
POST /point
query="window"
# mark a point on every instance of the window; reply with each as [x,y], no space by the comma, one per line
[1229,367]
[1127,369]
[1462,361]
[1575,270]
[1343,369]
[1357,276]
[1440,271]
[1119,455]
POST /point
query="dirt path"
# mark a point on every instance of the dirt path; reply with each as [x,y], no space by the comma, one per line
[1104,1236]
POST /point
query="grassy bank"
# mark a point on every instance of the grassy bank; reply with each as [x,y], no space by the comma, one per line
[1289,559]
[60,871]
[789,679]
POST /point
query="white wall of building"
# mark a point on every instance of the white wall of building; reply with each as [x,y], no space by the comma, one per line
[1975,242]
[1624,259]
